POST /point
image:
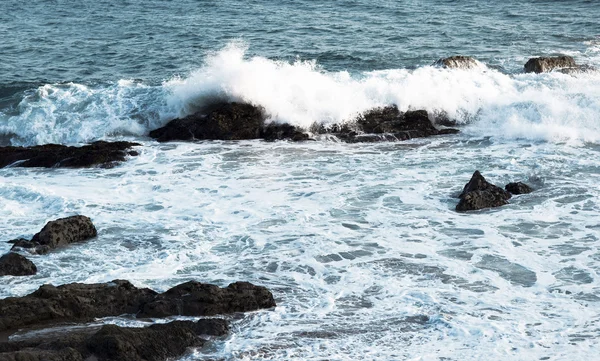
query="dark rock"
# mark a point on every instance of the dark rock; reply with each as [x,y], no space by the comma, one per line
[153,343]
[201,299]
[458,62]
[518,188]
[82,302]
[13,264]
[479,194]
[274,132]
[58,233]
[389,124]
[112,342]
[225,121]
[72,303]
[543,64]
[104,154]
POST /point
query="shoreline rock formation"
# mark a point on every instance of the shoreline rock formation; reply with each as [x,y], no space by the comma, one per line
[100,153]
[479,194]
[240,121]
[79,302]
[458,62]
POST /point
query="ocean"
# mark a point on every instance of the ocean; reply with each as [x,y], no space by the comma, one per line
[359,243]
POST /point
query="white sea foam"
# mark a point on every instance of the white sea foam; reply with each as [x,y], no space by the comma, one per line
[551,107]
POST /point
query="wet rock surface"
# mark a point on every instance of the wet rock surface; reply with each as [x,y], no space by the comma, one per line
[13,264]
[72,303]
[546,64]
[83,302]
[111,342]
[222,121]
[102,154]
[388,124]
[479,194]
[201,299]
[458,62]
[58,233]
[518,188]
[237,121]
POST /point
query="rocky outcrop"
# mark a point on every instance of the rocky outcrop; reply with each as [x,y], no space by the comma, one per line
[236,121]
[518,188]
[58,233]
[72,303]
[103,154]
[458,62]
[83,302]
[389,124]
[546,64]
[479,194]
[112,342]
[13,264]
[224,121]
[201,299]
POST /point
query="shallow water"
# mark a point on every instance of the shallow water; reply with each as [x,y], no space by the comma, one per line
[359,243]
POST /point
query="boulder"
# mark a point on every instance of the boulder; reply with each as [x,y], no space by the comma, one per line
[78,302]
[103,154]
[479,194]
[546,64]
[13,264]
[58,233]
[201,299]
[225,121]
[518,188]
[458,62]
[112,342]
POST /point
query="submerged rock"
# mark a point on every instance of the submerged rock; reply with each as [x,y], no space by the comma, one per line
[479,194]
[458,62]
[58,233]
[518,188]
[13,264]
[104,154]
[546,64]
[112,342]
[78,302]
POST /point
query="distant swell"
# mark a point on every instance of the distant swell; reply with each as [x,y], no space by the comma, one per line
[551,107]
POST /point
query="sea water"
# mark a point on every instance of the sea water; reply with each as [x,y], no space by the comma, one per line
[359,243]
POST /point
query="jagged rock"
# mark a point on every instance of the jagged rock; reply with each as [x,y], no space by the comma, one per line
[479,194]
[274,132]
[83,302]
[236,121]
[58,233]
[458,62]
[225,121]
[72,303]
[201,299]
[389,124]
[546,64]
[518,188]
[13,264]
[112,342]
[104,154]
